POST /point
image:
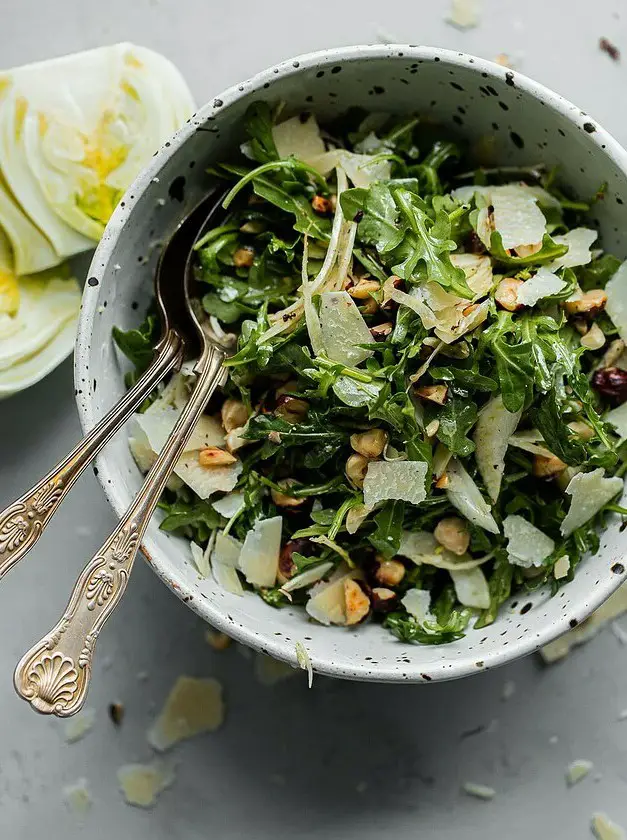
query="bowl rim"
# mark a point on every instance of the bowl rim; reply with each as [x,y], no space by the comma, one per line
[210,612]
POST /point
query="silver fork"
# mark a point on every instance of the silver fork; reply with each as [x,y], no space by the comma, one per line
[53,676]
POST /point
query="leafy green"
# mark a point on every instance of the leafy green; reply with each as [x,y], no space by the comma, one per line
[138,344]
[457,417]
[258,124]
[388,526]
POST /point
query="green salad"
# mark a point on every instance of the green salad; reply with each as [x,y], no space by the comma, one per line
[424,412]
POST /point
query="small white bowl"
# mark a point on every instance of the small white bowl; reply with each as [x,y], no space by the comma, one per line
[528,124]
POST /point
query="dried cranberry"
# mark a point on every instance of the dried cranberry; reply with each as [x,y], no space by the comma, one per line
[474,244]
[286,564]
[611,383]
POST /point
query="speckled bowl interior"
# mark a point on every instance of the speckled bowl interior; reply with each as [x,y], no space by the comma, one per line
[526,123]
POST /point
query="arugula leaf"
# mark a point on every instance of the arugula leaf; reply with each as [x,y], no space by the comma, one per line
[379,224]
[386,538]
[406,628]
[465,377]
[258,124]
[550,251]
[457,417]
[197,515]
[560,439]
[500,587]
[515,369]
[138,344]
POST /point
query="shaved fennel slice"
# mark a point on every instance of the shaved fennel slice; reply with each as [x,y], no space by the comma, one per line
[618,418]
[421,547]
[467,323]
[579,241]
[307,577]
[530,440]
[417,602]
[311,316]
[616,306]
[589,492]
[517,216]
[415,302]
[395,480]
[471,588]
[527,545]
[478,271]
[343,329]
[494,428]
[259,559]
[201,562]
[300,138]
[327,603]
[543,284]
[464,494]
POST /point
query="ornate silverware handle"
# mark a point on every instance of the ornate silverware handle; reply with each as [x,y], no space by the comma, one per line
[22,523]
[54,675]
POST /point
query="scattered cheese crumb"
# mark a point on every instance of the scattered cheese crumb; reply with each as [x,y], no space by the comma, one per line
[78,798]
[615,606]
[141,784]
[217,640]
[271,671]
[577,770]
[604,829]
[193,706]
[464,14]
[479,791]
[304,661]
[509,689]
[78,726]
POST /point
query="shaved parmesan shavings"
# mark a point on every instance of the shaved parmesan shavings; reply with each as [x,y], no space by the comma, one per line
[362,170]
[579,241]
[471,587]
[304,661]
[395,480]
[229,505]
[259,559]
[80,725]
[194,706]
[422,547]
[141,784]
[494,428]
[589,493]
[561,567]
[157,424]
[354,393]
[417,603]
[527,546]
[618,418]
[227,577]
[226,550]
[577,770]
[307,577]
[479,791]
[343,328]
[299,137]
[464,494]
[78,798]
[141,450]
[616,306]
[543,284]
[517,216]
[464,14]
[201,561]
[478,271]
[604,829]
[614,607]
[327,603]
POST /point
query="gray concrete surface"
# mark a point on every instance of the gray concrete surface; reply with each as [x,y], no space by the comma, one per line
[343,760]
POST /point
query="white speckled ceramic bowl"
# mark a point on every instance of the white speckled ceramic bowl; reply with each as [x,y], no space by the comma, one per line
[528,123]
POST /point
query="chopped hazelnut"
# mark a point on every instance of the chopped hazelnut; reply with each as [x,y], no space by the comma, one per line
[213,456]
[284,499]
[588,304]
[433,393]
[452,533]
[291,409]
[234,415]
[363,289]
[594,339]
[381,331]
[243,257]
[356,467]
[506,294]
[547,467]
[321,204]
[390,572]
[383,599]
[371,443]
[357,602]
